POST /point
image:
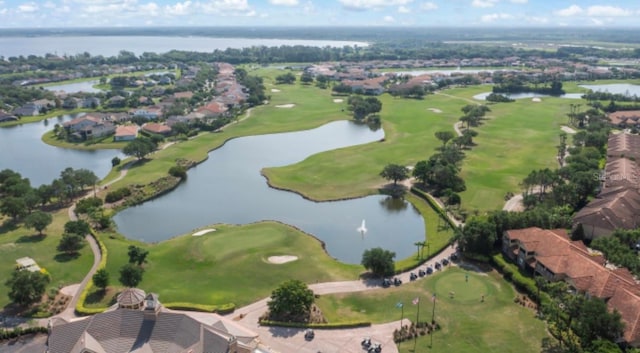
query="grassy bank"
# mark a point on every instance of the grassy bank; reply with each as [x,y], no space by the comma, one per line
[19,242]
[468,324]
[231,264]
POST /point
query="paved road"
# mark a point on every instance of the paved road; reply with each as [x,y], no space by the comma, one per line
[282,339]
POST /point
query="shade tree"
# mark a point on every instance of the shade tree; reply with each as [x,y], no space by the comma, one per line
[379,261]
[291,301]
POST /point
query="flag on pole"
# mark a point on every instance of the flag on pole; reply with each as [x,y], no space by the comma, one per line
[433,297]
[416,301]
[399,305]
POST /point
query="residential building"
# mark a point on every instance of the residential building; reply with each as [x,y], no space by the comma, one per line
[617,206]
[551,254]
[126,133]
[625,119]
[155,128]
[140,323]
[4,116]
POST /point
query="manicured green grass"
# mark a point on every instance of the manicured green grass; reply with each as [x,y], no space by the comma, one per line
[516,138]
[20,242]
[468,324]
[229,265]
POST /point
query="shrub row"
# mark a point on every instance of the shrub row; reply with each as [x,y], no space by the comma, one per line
[336,325]
[18,331]
[80,308]
[220,309]
[524,283]
[425,196]
[117,195]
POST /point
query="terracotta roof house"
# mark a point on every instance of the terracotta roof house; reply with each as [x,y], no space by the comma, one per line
[183,95]
[139,323]
[616,207]
[625,119]
[551,254]
[79,123]
[156,128]
[126,133]
[624,145]
[212,110]
[618,204]
[621,172]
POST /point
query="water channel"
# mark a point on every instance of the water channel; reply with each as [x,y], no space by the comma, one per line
[24,152]
[228,188]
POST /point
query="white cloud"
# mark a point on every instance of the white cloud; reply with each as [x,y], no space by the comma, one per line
[46,5]
[28,7]
[225,5]
[428,6]
[569,11]
[519,1]
[495,17]
[607,11]
[389,19]
[150,9]
[597,22]
[484,3]
[179,9]
[284,2]
[403,9]
[371,4]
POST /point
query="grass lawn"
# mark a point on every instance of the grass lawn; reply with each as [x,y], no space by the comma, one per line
[468,325]
[20,242]
[517,138]
[229,265]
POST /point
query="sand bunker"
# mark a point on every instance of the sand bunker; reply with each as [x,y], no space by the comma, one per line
[283,259]
[285,106]
[338,100]
[568,130]
[435,110]
[275,90]
[203,232]
[536,100]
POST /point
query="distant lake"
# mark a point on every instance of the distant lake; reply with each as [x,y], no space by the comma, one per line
[24,152]
[616,88]
[112,45]
[85,86]
[447,72]
[483,96]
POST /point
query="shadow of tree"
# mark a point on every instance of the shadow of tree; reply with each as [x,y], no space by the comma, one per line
[277,331]
[99,295]
[34,238]
[7,226]
[66,257]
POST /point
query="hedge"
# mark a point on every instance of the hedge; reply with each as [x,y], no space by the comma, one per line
[80,308]
[220,309]
[425,196]
[512,273]
[18,331]
[353,324]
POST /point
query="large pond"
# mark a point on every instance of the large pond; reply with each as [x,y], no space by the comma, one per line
[483,96]
[228,188]
[616,88]
[84,86]
[24,152]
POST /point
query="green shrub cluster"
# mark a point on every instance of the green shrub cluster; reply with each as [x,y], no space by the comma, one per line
[178,171]
[522,282]
[425,196]
[352,324]
[117,195]
[18,331]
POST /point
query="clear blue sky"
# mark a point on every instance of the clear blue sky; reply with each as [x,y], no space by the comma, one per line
[451,13]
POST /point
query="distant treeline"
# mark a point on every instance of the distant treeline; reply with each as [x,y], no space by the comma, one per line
[555,89]
[401,50]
